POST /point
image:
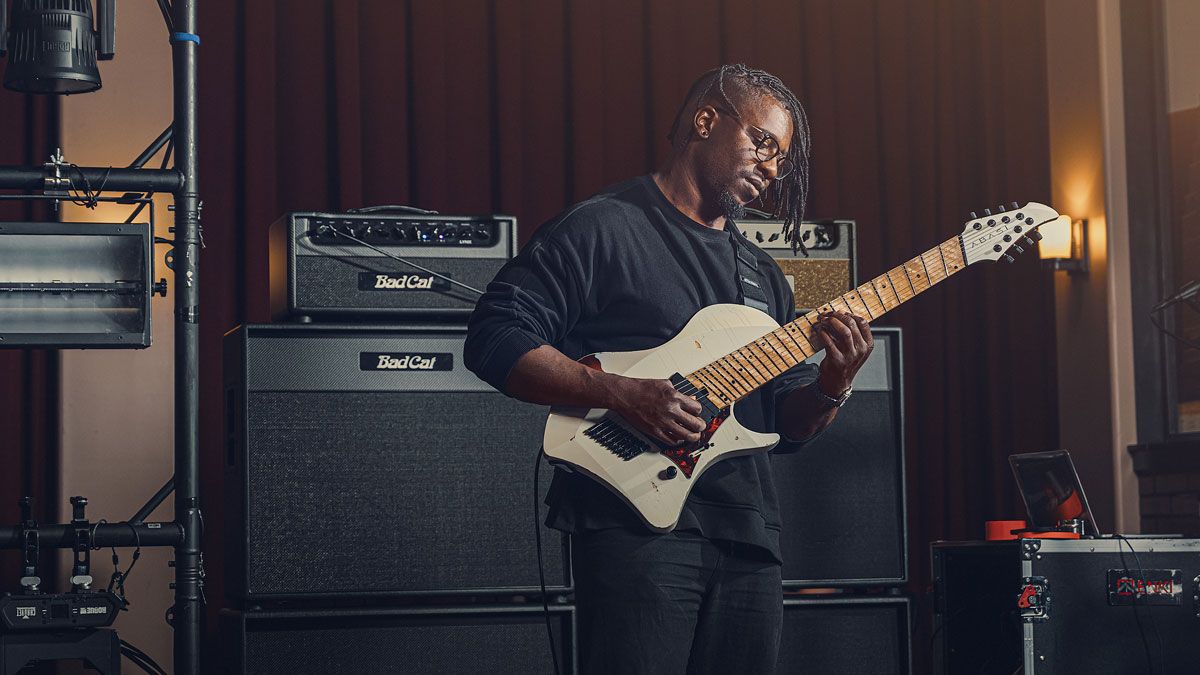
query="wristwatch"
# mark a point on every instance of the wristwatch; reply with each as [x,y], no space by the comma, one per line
[829,401]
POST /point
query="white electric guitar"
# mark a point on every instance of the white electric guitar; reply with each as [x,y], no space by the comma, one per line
[727,351]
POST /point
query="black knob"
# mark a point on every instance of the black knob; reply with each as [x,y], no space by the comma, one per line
[1005,219]
[997,248]
[978,226]
[668,473]
[991,222]
[1007,237]
[1018,228]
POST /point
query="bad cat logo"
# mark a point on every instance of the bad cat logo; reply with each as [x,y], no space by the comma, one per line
[370,281]
[405,361]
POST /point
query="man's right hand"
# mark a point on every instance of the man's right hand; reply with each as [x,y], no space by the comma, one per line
[657,409]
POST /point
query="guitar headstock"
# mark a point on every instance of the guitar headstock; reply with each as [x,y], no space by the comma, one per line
[1008,231]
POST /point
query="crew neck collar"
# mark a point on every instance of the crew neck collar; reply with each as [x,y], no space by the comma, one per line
[682,218]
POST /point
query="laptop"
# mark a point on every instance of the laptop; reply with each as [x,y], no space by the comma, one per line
[1050,487]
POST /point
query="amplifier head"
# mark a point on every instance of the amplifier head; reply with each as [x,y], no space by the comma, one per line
[337,264]
[830,268]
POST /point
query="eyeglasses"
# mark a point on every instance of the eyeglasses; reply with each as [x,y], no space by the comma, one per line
[766,146]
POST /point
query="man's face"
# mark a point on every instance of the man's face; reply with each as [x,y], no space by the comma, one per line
[731,171]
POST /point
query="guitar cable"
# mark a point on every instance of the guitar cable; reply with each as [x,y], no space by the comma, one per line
[537,535]
[1162,658]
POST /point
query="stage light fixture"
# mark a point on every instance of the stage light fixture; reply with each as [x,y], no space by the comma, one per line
[54,45]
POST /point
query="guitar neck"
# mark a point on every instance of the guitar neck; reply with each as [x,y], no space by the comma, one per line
[733,376]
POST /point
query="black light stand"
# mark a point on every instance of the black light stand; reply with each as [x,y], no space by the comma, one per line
[184,533]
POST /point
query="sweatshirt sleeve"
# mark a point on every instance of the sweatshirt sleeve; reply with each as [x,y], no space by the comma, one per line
[535,299]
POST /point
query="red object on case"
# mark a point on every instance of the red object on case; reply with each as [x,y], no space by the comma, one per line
[1002,530]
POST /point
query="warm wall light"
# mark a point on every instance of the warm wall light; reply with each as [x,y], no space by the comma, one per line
[1064,245]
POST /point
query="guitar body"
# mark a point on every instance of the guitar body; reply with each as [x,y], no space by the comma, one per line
[641,480]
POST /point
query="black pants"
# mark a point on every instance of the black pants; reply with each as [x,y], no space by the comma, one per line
[675,603]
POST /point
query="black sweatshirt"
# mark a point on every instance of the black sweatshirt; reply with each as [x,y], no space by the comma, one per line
[624,271]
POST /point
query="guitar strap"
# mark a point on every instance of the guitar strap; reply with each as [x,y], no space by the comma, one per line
[750,280]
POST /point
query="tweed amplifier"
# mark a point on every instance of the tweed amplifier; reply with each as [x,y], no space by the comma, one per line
[367,461]
[831,266]
[339,265]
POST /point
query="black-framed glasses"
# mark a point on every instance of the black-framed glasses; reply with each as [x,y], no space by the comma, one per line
[766,146]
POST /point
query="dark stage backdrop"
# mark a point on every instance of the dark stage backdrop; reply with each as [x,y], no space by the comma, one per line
[28,377]
[921,111]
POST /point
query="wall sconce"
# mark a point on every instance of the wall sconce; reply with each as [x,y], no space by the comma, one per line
[1064,245]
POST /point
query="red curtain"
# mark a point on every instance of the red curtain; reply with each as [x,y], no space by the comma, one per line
[28,377]
[921,111]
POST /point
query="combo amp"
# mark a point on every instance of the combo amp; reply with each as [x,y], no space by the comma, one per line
[843,495]
[343,265]
[367,461]
[829,269]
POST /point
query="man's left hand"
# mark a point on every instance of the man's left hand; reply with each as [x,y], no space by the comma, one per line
[848,343]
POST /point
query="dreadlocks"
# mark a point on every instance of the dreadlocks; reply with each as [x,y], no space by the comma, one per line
[789,193]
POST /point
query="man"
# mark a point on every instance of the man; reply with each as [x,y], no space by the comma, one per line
[625,270]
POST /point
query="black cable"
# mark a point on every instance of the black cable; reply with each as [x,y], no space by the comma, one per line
[1141,578]
[141,659]
[326,228]
[537,534]
[165,8]
[150,195]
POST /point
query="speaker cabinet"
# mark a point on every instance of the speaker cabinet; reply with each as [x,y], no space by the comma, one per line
[367,461]
[846,636]
[843,495]
[420,641]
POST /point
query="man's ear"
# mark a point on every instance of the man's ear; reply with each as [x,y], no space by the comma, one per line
[703,120]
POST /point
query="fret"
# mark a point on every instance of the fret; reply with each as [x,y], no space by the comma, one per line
[887,292]
[928,277]
[796,333]
[916,274]
[909,279]
[714,388]
[933,268]
[857,306]
[953,252]
[788,344]
[761,357]
[878,307]
[787,330]
[747,369]
[942,259]
[699,384]
[729,375]
[785,356]
[845,306]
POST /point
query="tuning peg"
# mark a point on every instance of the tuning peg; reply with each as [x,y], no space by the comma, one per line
[987,212]
[973,215]
[1018,248]
[1000,209]
[1028,241]
[1008,258]
[1037,236]
[1015,206]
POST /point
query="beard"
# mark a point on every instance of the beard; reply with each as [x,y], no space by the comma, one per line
[733,208]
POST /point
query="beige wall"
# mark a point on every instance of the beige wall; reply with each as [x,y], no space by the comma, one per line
[117,405]
[1087,159]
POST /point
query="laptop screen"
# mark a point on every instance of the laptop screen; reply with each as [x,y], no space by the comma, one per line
[1050,487]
